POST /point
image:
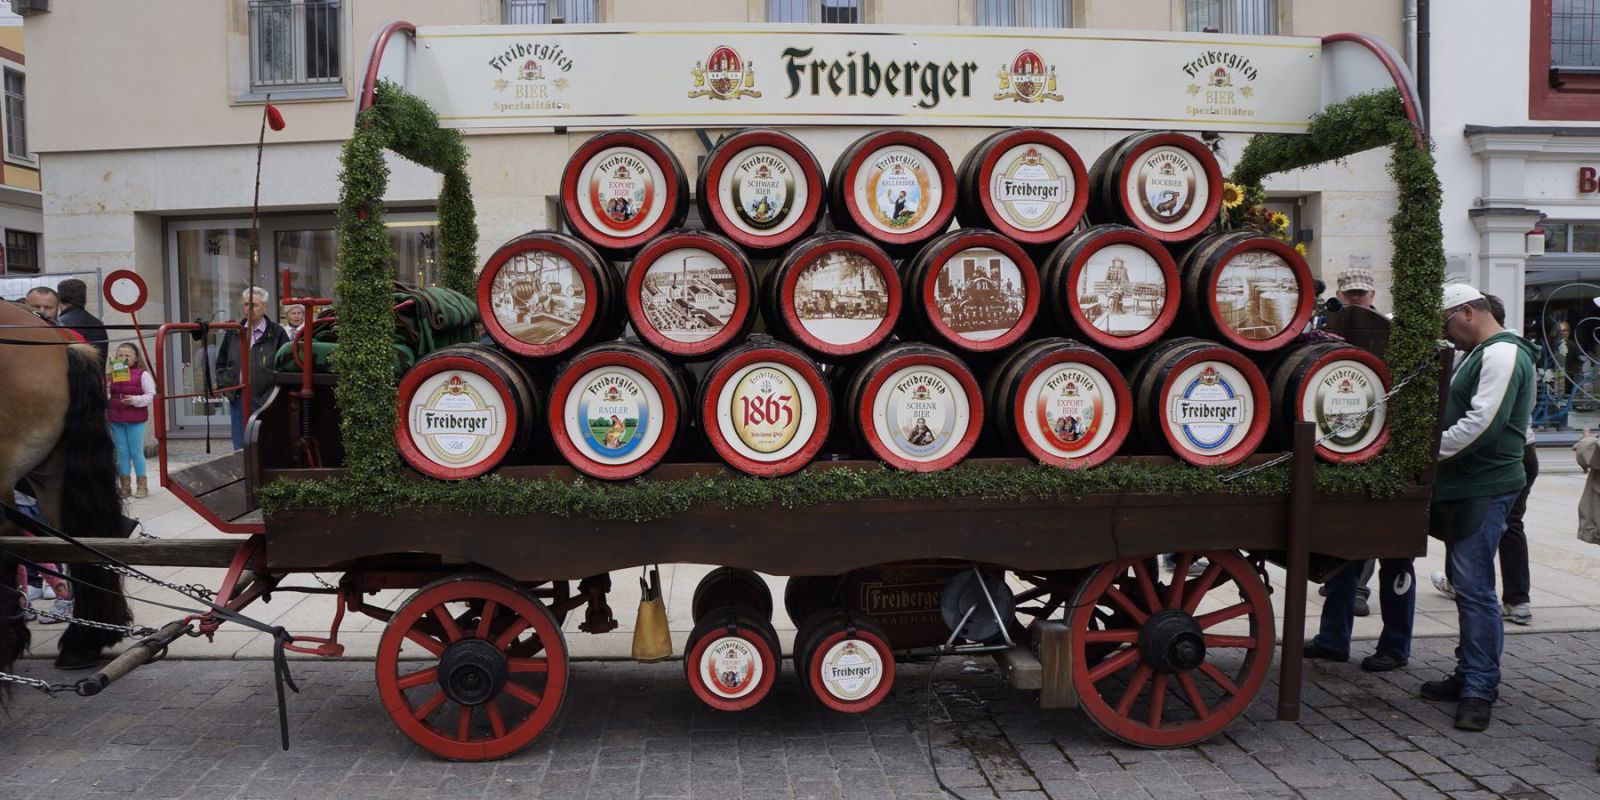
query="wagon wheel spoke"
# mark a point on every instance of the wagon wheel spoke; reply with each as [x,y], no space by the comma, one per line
[1141,677]
[527,666]
[1197,589]
[1147,585]
[426,642]
[486,619]
[1222,681]
[1158,699]
[433,704]
[523,693]
[1180,576]
[1207,621]
[421,677]
[1113,664]
[510,634]
[452,631]
[1191,693]
[497,723]
[464,724]
[1112,636]
[1122,601]
[1246,642]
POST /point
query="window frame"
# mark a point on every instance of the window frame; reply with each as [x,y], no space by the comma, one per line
[1276,15]
[596,11]
[1021,13]
[336,88]
[1555,93]
[814,12]
[28,156]
[11,266]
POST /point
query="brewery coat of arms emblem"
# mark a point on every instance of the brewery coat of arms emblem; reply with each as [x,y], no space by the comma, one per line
[1028,79]
[724,75]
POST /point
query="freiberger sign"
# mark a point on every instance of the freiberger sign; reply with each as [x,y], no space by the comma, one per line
[699,75]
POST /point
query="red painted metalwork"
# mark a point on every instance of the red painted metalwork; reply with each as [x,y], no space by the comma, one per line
[498,620]
[1397,71]
[1126,691]
[160,405]
[369,75]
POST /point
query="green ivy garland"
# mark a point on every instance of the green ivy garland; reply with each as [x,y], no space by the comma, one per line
[375,483]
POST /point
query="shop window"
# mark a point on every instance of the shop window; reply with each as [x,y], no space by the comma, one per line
[1555,237]
[1562,313]
[22,252]
[540,12]
[1025,13]
[814,11]
[295,44]
[1564,60]
[1254,17]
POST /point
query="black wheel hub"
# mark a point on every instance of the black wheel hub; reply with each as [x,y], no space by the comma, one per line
[1171,641]
[472,672]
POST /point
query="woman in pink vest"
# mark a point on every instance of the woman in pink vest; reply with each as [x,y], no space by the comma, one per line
[131,388]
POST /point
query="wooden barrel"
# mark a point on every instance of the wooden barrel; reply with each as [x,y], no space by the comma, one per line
[545,294]
[1332,385]
[465,410]
[844,660]
[915,407]
[973,290]
[1025,183]
[765,408]
[1111,285]
[617,409]
[1253,292]
[1059,402]
[621,189]
[1163,183]
[732,658]
[691,294]
[836,295]
[761,188]
[1202,401]
[897,188]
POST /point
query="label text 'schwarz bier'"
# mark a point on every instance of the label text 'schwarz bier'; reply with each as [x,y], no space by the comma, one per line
[1336,387]
[616,410]
[1061,403]
[765,408]
[1206,404]
[915,407]
[1252,291]
[691,294]
[894,187]
[1165,184]
[463,411]
[622,189]
[834,294]
[761,188]
[546,294]
[1112,285]
[1025,183]
[973,290]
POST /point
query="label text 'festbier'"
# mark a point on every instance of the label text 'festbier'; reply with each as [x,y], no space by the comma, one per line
[861,75]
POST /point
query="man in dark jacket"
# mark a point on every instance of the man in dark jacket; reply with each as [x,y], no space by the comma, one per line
[265,338]
[74,296]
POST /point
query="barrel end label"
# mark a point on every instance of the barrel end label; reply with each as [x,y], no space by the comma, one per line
[1257,294]
[538,297]
[841,297]
[979,294]
[689,295]
[1121,290]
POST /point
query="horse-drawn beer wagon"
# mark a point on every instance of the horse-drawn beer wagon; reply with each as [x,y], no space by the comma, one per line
[976,438]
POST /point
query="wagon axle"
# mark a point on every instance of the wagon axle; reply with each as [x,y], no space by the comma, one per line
[1172,642]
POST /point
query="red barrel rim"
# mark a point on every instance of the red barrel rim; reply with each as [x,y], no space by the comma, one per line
[1258,389]
[1347,352]
[864,409]
[1121,394]
[744,288]
[771,665]
[930,149]
[1208,163]
[1303,305]
[671,196]
[866,702]
[723,154]
[802,256]
[929,278]
[407,390]
[586,363]
[731,364]
[1080,198]
[1169,307]
[560,245]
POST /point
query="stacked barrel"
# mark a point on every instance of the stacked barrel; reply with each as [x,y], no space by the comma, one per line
[897,308]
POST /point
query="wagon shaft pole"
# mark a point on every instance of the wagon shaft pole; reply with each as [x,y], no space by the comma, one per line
[1297,563]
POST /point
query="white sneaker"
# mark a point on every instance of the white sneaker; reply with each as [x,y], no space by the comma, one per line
[1520,614]
[1442,583]
[46,592]
[35,593]
[61,608]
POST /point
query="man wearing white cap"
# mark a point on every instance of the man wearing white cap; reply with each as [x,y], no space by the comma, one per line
[1480,475]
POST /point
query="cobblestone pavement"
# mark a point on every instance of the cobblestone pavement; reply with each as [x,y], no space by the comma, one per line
[207,729]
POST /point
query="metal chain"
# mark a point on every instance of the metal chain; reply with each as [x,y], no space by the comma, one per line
[192,590]
[130,631]
[42,685]
[1373,409]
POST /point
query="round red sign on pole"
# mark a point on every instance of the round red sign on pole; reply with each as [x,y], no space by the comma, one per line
[125,291]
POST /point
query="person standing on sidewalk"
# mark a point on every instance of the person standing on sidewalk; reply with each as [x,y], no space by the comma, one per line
[1516,602]
[131,390]
[1480,475]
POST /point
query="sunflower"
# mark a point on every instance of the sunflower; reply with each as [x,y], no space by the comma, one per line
[1300,247]
[1232,194]
[1279,220]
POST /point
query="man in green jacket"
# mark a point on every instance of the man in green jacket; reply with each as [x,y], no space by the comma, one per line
[1480,475]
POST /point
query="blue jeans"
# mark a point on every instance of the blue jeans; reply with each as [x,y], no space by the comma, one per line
[1397,601]
[236,421]
[129,438]
[1471,563]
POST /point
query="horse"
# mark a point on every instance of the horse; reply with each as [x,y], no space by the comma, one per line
[53,432]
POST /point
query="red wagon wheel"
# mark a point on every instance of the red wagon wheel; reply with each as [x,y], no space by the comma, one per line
[1188,655]
[472,668]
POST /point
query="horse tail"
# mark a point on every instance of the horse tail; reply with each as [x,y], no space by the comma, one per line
[91,506]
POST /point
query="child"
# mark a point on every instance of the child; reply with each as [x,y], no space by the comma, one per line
[131,390]
[52,588]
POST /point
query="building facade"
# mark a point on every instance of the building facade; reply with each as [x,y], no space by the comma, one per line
[163,181]
[1514,100]
[21,217]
